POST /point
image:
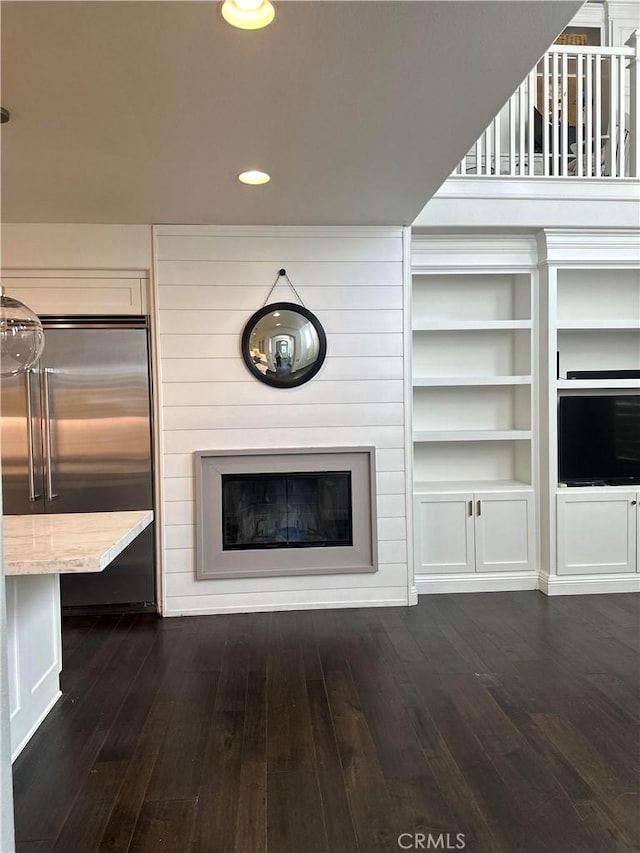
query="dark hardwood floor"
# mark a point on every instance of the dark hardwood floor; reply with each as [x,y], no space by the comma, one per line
[501,722]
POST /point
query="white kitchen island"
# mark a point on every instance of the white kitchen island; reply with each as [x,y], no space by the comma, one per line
[37,550]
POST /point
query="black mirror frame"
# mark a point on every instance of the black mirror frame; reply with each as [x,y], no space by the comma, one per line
[283,306]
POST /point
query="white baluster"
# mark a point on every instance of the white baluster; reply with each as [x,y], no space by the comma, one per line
[622,107]
[544,109]
[496,142]
[611,163]
[512,134]
[521,133]
[634,106]
[597,137]
[555,136]
[579,115]
[531,81]
[589,116]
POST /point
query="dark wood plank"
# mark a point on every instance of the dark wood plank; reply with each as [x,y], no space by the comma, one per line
[120,827]
[90,812]
[369,801]
[338,824]
[618,798]
[217,810]
[39,846]
[295,816]
[508,717]
[289,733]
[251,821]
[164,827]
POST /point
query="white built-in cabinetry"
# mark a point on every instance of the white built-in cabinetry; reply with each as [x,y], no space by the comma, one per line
[598,531]
[479,531]
[498,323]
[473,419]
[591,298]
[73,292]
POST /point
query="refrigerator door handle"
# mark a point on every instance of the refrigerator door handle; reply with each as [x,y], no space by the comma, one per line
[33,496]
[44,379]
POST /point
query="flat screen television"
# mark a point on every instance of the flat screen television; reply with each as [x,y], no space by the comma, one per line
[599,440]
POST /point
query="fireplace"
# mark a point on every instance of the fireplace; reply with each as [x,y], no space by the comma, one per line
[285,512]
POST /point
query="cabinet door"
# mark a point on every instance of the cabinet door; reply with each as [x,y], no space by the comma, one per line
[597,533]
[57,293]
[444,533]
[504,531]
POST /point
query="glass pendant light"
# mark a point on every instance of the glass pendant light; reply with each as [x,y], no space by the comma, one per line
[21,336]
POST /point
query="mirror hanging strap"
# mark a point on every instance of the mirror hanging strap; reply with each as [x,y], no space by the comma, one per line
[283,273]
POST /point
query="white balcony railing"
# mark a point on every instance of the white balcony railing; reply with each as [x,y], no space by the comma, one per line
[576,114]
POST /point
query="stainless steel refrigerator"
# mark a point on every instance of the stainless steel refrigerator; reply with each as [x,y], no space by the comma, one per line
[76,437]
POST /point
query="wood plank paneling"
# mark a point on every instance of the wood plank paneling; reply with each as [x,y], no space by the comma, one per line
[181,464]
[241,273]
[209,281]
[186,441]
[281,250]
[290,416]
[182,583]
[232,369]
[252,298]
[219,346]
[185,321]
[251,393]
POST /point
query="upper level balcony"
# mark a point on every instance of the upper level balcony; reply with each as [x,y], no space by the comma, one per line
[574,116]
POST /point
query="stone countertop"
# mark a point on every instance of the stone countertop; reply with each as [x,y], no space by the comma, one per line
[69,542]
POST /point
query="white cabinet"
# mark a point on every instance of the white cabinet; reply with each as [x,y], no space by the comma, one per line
[75,292]
[445,538]
[461,532]
[598,533]
[34,653]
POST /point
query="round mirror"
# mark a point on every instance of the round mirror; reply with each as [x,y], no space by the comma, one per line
[284,345]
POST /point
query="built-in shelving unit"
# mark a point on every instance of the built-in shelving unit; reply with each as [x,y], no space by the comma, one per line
[472,376]
[589,534]
[498,323]
[597,324]
[473,424]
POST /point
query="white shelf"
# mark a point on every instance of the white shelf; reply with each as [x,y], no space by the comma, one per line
[597,490]
[471,325]
[598,383]
[435,381]
[599,326]
[449,486]
[472,435]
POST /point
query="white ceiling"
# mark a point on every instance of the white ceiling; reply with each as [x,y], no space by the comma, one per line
[145,112]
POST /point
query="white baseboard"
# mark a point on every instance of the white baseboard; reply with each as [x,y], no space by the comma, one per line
[476,582]
[588,584]
[301,605]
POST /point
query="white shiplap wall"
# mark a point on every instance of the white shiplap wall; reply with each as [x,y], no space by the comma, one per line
[208,283]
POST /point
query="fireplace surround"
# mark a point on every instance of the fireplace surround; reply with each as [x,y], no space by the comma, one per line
[285,511]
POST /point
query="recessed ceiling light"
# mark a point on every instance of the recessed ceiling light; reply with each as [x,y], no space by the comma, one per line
[248,14]
[276,314]
[254,177]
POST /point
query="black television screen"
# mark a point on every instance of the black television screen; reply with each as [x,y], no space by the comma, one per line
[599,439]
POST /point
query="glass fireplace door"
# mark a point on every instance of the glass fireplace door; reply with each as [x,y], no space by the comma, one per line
[301,510]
